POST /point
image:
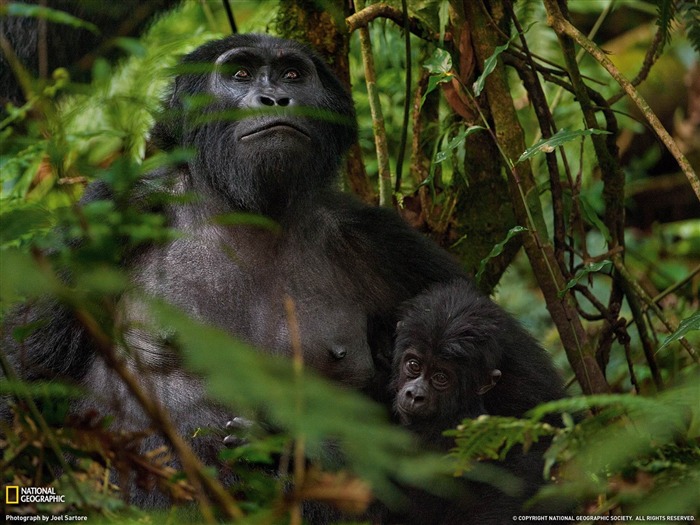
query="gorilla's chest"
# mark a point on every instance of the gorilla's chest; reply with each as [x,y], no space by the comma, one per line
[257,284]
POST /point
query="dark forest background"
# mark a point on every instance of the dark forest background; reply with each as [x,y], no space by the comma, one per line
[552,146]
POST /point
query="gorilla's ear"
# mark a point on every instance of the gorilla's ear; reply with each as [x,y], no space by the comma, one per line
[399,325]
[167,131]
[495,377]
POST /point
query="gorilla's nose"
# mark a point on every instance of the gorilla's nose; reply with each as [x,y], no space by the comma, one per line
[416,397]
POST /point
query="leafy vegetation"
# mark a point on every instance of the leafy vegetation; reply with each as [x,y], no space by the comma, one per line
[591,236]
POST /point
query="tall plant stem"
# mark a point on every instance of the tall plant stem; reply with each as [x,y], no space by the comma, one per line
[385,190]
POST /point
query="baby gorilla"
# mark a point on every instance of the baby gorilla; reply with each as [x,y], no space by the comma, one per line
[459,355]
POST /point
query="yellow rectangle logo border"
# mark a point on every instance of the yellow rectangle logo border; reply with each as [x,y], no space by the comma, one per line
[8,500]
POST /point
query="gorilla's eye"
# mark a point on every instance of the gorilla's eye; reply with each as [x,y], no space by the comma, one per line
[413,366]
[242,74]
[291,74]
[440,380]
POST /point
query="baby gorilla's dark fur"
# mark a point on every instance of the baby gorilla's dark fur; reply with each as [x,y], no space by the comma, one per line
[459,355]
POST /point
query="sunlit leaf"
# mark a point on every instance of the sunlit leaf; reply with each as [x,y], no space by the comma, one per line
[440,63]
[590,268]
[440,67]
[497,250]
[558,139]
[456,141]
[489,65]
[686,325]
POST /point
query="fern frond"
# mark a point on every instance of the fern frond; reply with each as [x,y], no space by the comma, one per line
[492,437]
[689,13]
[667,12]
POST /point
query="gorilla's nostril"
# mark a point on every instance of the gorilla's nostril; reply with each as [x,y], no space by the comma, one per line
[266,101]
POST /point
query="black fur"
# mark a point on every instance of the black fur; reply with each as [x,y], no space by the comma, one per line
[493,366]
[346,265]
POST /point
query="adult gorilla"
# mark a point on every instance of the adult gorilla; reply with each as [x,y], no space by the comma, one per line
[346,265]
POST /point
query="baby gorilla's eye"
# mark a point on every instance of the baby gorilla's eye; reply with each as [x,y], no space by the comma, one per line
[413,366]
[242,74]
[292,74]
[440,380]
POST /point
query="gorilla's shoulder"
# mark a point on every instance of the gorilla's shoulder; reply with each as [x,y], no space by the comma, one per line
[381,236]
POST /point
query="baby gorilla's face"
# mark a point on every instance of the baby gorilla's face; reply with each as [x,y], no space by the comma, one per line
[429,394]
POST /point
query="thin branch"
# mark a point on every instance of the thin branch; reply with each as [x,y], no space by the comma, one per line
[628,285]
[528,210]
[365,15]
[547,129]
[407,99]
[649,303]
[193,468]
[561,26]
[649,60]
[677,285]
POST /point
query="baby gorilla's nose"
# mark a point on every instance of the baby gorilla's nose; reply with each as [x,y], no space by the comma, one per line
[338,351]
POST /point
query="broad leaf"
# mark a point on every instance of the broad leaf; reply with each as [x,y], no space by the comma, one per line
[590,268]
[559,138]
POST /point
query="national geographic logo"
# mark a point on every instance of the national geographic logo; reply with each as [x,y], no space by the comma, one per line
[12,495]
[16,495]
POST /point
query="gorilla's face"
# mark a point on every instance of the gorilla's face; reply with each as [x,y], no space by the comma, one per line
[268,119]
[279,90]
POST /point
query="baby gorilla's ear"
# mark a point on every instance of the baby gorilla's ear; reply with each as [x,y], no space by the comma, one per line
[493,379]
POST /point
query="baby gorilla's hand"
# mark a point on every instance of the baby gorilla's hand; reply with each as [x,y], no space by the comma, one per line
[240,429]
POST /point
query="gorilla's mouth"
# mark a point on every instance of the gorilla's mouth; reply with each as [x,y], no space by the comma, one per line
[412,414]
[279,126]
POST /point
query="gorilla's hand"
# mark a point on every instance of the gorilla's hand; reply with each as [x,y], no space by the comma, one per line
[240,429]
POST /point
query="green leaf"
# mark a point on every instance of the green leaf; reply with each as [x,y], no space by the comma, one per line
[458,139]
[591,216]
[440,67]
[133,46]
[52,15]
[440,63]
[23,221]
[590,268]
[251,381]
[489,65]
[247,219]
[491,62]
[492,437]
[21,277]
[559,138]
[443,18]
[687,325]
[497,250]
[433,82]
